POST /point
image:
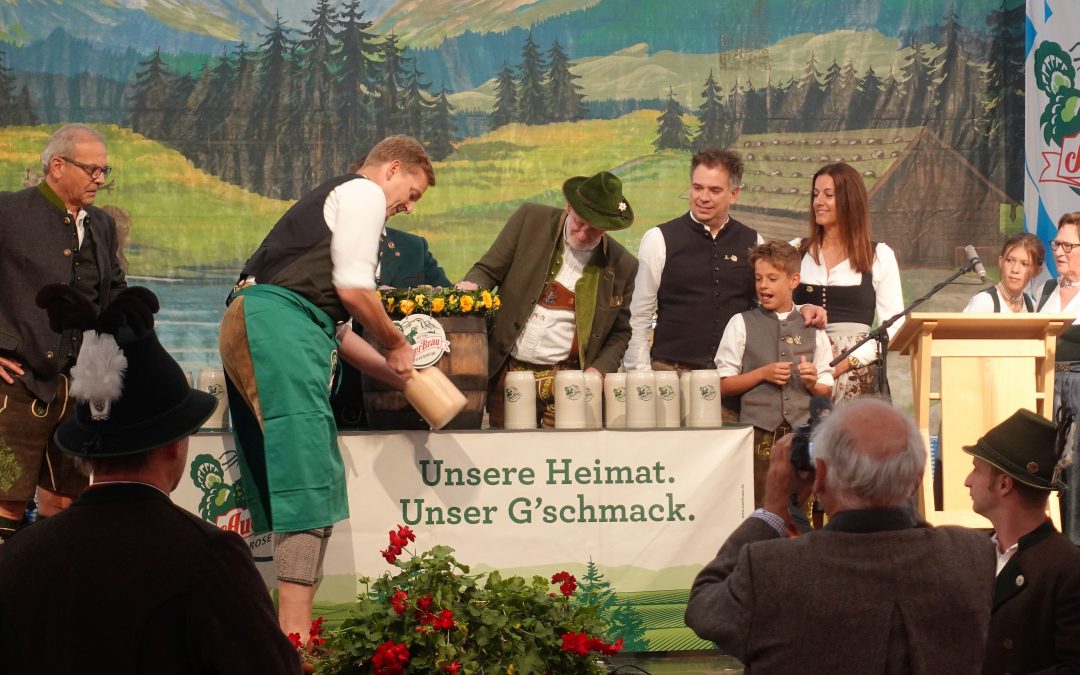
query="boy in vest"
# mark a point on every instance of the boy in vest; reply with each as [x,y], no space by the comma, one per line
[771,359]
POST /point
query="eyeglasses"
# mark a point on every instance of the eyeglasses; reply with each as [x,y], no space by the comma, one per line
[94,172]
[1065,245]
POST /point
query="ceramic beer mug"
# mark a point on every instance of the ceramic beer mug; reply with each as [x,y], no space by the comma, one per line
[684,398]
[569,399]
[667,399]
[705,409]
[435,397]
[519,393]
[641,399]
[615,401]
[594,396]
[212,381]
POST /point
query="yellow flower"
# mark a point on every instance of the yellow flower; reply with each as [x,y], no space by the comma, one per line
[485,299]
[407,307]
[437,305]
[452,301]
[420,299]
[496,303]
[466,303]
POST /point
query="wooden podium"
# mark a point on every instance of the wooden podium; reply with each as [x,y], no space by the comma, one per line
[990,366]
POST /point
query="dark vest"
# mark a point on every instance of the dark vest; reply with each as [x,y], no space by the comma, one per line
[993,293]
[296,253]
[705,282]
[844,304]
[769,340]
[1068,343]
[85,278]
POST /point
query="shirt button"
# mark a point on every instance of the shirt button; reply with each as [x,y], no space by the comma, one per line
[67,252]
[1007,644]
[50,355]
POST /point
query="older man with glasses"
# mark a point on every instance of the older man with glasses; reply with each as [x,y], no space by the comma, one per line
[1062,296]
[51,233]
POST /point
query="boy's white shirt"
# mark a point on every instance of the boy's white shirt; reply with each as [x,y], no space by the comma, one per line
[729,354]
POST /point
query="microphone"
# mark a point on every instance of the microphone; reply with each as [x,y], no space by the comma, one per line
[976,264]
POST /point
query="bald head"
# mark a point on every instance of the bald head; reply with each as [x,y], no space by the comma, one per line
[874,455]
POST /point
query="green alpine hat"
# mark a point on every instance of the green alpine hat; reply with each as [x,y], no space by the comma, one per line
[599,200]
[1025,446]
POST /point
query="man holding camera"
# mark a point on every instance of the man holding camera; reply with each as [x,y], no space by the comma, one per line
[875,591]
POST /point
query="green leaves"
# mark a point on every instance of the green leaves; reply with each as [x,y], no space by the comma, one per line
[501,625]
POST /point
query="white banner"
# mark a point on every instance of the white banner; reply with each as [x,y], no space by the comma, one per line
[1052,119]
[640,511]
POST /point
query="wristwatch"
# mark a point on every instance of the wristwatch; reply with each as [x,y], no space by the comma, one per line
[853,363]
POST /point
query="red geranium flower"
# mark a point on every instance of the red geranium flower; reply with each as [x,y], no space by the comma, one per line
[390,658]
[569,583]
[294,638]
[452,667]
[575,643]
[445,620]
[400,601]
[424,603]
[390,554]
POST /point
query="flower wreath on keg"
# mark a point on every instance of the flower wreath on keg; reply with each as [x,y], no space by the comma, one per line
[438,301]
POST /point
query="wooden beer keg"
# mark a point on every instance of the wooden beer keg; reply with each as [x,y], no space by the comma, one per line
[465,365]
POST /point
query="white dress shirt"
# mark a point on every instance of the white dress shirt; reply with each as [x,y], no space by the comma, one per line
[355,212]
[652,255]
[549,333]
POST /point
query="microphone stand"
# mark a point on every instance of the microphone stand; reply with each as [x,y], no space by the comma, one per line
[881,333]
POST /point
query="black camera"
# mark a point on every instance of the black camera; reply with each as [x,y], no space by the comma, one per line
[802,446]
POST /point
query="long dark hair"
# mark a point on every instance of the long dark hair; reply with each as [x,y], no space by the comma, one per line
[852,215]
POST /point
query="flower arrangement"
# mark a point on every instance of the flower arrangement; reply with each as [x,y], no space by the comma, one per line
[432,616]
[438,301]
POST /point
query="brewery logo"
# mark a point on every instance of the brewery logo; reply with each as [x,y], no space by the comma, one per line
[666,392]
[572,391]
[708,392]
[644,392]
[588,395]
[427,337]
[223,502]
[1055,75]
[620,394]
[513,394]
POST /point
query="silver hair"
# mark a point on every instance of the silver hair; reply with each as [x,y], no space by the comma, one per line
[871,460]
[63,141]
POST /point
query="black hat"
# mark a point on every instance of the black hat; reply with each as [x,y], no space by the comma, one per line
[1027,447]
[132,395]
[600,201]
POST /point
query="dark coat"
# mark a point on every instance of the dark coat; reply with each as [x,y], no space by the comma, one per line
[36,244]
[911,600]
[126,582]
[406,262]
[1035,627]
[518,263]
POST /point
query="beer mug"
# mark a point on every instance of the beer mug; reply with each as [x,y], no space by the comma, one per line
[569,399]
[435,397]
[212,381]
[594,397]
[705,409]
[667,399]
[519,393]
[615,401]
[684,398]
[641,399]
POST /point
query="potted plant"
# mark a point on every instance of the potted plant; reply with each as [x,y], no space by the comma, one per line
[433,616]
